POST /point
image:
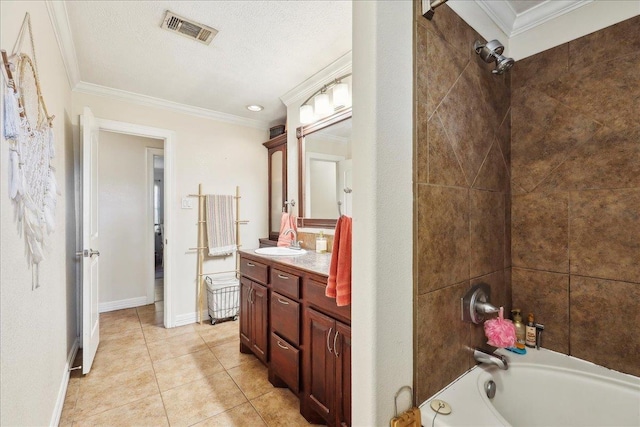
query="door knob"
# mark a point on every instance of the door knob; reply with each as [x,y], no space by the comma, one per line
[87,253]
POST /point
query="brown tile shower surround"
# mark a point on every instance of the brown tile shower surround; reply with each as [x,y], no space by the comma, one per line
[575,153]
[540,169]
[462,193]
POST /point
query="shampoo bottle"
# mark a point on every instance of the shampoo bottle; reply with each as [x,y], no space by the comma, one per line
[530,332]
[321,243]
[520,330]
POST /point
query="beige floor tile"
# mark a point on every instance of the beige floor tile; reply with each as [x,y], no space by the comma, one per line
[152,318]
[117,314]
[229,355]
[118,325]
[201,399]
[175,372]
[107,363]
[280,408]
[150,308]
[145,412]
[221,333]
[99,394]
[176,346]
[252,378]
[240,416]
[119,341]
[159,332]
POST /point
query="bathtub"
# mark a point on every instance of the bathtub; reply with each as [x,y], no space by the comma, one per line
[541,388]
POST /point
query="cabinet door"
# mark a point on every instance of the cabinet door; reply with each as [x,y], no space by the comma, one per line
[259,321]
[245,312]
[320,367]
[342,351]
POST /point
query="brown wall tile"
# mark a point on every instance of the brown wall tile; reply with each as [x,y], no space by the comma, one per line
[540,68]
[605,323]
[544,133]
[468,122]
[493,174]
[605,234]
[421,171]
[539,231]
[546,295]
[443,237]
[500,297]
[442,337]
[605,45]
[486,232]
[444,167]
[450,27]
[611,159]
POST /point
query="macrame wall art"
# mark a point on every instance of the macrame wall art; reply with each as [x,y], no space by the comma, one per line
[28,130]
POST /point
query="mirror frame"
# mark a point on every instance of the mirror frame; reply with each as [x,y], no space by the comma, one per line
[301,132]
[277,144]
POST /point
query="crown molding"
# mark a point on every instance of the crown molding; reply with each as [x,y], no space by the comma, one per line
[305,89]
[150,101]
[62,30]
[513,24]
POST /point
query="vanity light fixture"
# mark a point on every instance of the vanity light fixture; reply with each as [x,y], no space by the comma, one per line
[255,107]
[322,104]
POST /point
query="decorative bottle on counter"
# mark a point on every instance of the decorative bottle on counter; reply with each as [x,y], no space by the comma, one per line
[520,332]
[530,332]
[321,243]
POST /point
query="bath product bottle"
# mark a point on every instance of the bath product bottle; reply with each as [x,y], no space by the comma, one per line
[520,331]
[321,243]
[530,332]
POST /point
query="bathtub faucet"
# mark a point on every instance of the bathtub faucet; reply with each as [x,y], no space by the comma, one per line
[490,358]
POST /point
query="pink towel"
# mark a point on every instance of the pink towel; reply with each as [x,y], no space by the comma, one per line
[339,283]
[287,221]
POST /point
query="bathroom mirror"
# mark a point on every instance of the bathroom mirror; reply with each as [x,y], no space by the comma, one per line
[277,182]
[324,170]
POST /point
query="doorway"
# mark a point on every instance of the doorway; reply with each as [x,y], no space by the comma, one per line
[167,138]
[155,168]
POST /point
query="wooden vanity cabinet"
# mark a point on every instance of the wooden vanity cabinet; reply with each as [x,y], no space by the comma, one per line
[254,309]
[327,357]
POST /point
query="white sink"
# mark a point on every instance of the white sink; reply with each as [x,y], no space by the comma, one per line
[280,251]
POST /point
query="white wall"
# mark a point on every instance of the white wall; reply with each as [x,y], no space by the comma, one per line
[124,218]
[218,155]
[382,294]
[38,327]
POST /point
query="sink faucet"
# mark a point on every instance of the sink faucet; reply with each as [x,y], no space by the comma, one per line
[295,244]
[490,358]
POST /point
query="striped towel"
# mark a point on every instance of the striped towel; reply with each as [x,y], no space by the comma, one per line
[221,237]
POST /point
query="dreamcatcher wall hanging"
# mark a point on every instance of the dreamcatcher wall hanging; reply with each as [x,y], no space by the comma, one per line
[28,130]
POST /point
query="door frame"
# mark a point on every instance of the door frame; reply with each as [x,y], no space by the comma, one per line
[150,152]
[169,138]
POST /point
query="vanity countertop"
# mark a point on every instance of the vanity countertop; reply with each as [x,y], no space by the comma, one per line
[312,261]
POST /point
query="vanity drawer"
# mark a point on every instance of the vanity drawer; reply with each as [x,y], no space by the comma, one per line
[285,317]
[254,270]
[314,294]
[285,283]
[285,362]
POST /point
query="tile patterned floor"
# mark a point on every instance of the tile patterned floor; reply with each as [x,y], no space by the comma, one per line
[146,375]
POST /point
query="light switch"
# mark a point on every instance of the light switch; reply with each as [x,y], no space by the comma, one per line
[187,203]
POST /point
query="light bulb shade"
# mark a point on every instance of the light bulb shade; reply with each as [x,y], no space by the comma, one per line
[306,114]
[340,95]
[322,105]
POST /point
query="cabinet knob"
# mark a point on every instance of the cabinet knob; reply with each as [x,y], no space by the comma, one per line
[282,346]
[281,301]
[335,349]
[282,276]
[249,264]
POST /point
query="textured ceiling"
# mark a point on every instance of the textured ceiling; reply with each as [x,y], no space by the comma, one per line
[262,50]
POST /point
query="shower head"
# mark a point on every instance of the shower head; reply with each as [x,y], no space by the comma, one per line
[492,52]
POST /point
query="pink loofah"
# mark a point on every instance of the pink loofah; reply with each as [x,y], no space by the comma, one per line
[501,332]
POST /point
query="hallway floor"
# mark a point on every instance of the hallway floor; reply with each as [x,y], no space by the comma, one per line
[144,374]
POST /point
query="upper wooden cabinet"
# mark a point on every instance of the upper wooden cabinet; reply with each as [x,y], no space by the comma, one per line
[277,159]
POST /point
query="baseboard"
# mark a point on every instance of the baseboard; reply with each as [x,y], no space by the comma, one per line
[189,318]
[120,304]
[62,392]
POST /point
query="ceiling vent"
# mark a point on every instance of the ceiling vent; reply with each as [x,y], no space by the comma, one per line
[183,26]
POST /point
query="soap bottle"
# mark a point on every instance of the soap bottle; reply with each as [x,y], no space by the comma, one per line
[530,332]
[321,243]
[520,330]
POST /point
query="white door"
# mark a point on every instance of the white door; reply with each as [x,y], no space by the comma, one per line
[90,242]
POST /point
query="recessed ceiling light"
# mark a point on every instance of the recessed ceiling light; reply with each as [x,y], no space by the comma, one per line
[255,107]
